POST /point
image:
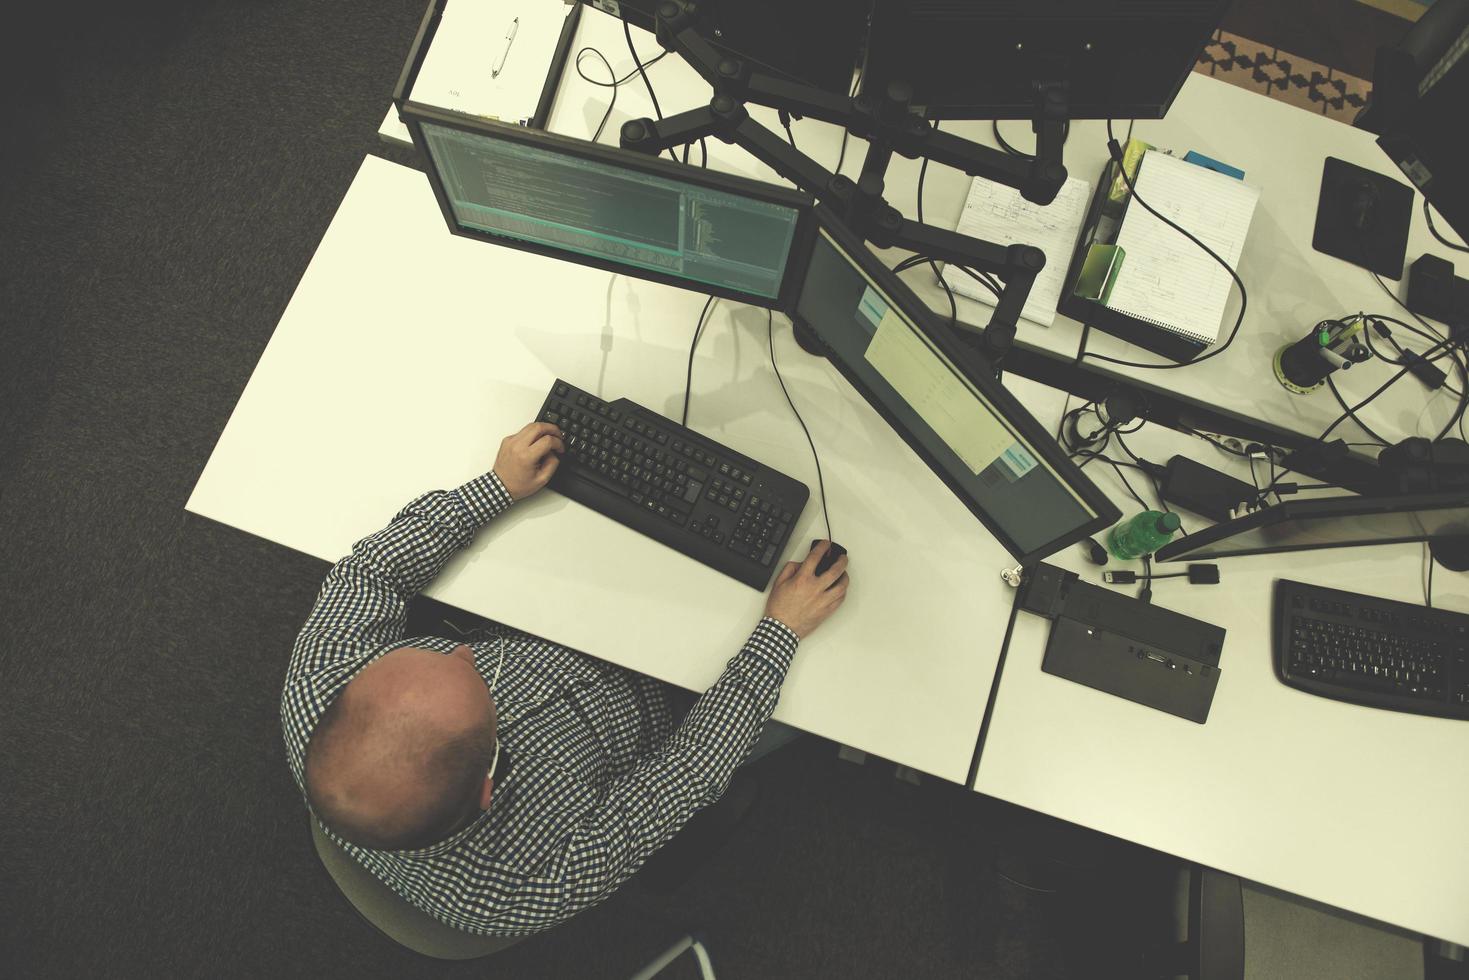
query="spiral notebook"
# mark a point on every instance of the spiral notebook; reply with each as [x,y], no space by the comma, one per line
[1165,279]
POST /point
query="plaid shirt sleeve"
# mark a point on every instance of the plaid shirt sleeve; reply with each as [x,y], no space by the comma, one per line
[363,603]
[689,771]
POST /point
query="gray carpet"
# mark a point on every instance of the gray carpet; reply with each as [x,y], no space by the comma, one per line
[168,169]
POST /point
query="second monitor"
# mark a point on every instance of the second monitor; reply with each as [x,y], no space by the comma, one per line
[945,402]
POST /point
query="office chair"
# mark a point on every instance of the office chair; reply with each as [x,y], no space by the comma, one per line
[389,914]
[1209,906]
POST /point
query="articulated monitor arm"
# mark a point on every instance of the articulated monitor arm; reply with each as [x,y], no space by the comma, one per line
[890,126]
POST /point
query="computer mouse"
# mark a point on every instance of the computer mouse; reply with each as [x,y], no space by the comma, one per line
[827,560]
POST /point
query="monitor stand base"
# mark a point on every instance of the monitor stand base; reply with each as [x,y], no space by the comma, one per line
[1451,551]
[807,340]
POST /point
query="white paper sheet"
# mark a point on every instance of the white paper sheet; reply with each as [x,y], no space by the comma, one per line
[1165,278]
[457,72]
[999,214]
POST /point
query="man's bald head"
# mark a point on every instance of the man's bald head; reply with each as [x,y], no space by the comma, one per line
[399,759]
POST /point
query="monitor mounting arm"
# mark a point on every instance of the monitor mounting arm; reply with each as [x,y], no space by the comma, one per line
[887,122]
[889,127]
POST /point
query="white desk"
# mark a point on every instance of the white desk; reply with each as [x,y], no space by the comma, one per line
[1291,790]
[1360,808]
[407,353]
[1279,146]
[1291,286]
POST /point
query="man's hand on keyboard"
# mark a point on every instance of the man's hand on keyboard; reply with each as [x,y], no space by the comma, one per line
[801,599]
[528,458]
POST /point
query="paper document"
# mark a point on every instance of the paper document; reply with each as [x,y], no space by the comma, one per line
[474,38]
[1166,279]
[940,397]
[999,214]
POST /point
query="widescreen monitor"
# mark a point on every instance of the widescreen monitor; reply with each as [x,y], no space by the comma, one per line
[1332,522]
[944,400]
[611,208]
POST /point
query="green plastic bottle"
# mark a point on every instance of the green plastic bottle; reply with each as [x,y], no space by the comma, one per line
[1141,535]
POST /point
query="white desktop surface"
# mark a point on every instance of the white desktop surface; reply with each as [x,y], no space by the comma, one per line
[1281,149]
[1357,807]
[1279,146]
[406,354]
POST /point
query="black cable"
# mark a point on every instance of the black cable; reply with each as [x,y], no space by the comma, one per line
[688,384]
[1007,147]
[1413,313]
[983,278]
[632,50]
[643,71]
[1061,424]
[617,81]
[1454,354]
[984,281]
[1432,230]
[842,156]
[1381,388]
[1244,296]
[820,483]
[1458,417]
[790,135]
[1376,319]
[1151,474]
[1335,393]
[611,103]
[1089,454]
[1451,349]
[613,84]
[1065,134]
[953,304]
[1428,576]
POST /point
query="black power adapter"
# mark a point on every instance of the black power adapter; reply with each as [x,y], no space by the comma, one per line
[1199,488]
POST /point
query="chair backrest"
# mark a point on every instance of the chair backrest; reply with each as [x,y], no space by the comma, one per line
[393,916]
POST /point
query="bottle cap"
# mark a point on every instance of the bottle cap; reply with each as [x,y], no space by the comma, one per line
[1167,523]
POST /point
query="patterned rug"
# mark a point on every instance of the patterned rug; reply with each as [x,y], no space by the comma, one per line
[1281,75]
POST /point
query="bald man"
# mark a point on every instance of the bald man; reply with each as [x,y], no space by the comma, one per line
[504,785]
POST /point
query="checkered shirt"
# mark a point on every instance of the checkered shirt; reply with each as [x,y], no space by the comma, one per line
[594,775]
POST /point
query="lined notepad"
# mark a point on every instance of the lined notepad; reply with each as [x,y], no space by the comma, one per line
[999,214]
[1165,279]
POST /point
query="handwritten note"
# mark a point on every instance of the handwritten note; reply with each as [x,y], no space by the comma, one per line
[999,214]
[1165,278]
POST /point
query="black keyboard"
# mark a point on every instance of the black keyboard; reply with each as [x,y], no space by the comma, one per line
[674,485]
[1372,651]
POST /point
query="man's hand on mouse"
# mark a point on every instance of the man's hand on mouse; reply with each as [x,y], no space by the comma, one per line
[528,458]
[801,599]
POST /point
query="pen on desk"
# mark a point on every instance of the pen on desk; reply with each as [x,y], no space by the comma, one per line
[509,40]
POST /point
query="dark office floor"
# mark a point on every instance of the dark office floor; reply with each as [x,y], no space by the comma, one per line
[167,173]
